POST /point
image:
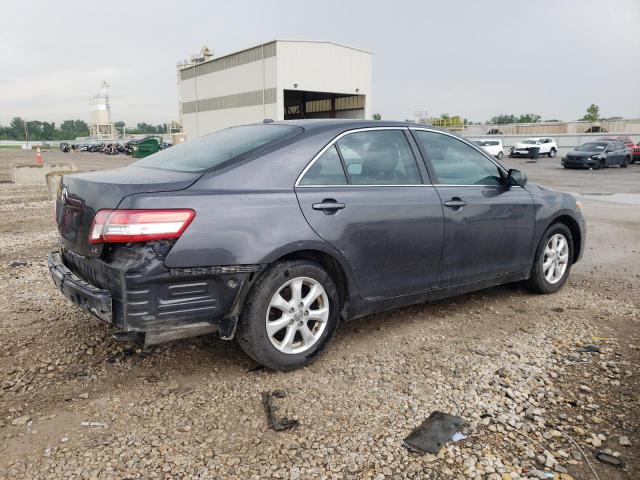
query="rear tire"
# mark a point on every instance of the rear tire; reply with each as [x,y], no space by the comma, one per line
[273,303]
[545,262]
[552,153]
[625,162]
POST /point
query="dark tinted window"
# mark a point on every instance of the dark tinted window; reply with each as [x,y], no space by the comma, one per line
[379,157]
[218,149]
[592,147]
[326,170]
[457,163]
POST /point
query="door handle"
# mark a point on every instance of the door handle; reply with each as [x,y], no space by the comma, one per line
[456,203]
[328,205]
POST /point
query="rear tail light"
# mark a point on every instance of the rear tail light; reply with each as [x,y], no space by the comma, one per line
[123,226]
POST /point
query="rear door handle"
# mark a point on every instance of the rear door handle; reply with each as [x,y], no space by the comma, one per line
[455,202]
[329,205]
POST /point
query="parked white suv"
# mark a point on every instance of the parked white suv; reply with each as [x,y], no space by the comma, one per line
[491,146]
[547,146]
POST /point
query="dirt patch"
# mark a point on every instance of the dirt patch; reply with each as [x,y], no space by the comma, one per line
[510,363]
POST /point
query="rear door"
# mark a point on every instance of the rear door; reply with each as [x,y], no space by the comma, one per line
[366,195]
[489,226]
[622,152]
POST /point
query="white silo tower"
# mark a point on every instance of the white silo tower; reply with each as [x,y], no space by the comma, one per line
[100,126]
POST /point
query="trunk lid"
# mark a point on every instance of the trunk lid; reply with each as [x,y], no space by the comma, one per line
[82,195]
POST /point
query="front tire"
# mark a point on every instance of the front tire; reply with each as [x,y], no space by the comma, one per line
[552,263]
[500,155]
[290,315]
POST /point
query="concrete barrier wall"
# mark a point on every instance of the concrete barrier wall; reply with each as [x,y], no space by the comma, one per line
[37,174]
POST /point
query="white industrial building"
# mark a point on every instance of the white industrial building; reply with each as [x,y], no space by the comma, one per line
[278,80]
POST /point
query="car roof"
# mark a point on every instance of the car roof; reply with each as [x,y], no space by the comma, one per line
[350,124]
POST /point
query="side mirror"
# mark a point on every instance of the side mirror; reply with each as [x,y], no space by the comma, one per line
[516,177]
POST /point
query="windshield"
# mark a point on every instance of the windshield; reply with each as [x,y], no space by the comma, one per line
[530,141]
[592,147]
[218,149]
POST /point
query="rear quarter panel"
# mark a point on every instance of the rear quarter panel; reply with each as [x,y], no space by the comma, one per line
[233,227]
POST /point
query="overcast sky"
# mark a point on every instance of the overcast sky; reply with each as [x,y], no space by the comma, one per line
[474,58]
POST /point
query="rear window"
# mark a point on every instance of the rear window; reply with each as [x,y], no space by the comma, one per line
[219,149]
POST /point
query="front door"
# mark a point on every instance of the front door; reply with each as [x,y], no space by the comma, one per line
[489,227]
[365,195]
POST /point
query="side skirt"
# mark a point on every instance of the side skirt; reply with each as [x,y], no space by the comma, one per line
[360,308]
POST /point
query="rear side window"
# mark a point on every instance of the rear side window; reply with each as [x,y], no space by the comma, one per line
[219,149]
[379,157]
[326,170]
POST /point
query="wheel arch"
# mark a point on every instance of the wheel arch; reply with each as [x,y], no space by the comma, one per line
[576,233]
[335,266]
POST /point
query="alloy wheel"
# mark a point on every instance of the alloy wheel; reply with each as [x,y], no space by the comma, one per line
[556,258]
[297,315]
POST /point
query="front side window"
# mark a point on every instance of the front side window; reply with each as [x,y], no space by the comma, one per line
[455,162]
[379,157]
[326,170]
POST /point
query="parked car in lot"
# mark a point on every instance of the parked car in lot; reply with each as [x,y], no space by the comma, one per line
[546,145]
[491,146]
[628,142]
[597,155]
[273,233]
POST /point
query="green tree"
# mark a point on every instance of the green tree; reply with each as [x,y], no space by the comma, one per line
[376,116]
[593,113]
[504,119]
[147,128]
[70,129]
[49,131]
[16,128]
[529,118]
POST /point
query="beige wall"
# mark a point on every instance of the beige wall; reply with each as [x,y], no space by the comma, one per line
[314,66]
[323,67]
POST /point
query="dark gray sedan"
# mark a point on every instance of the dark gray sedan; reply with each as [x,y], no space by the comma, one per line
[273,233]
[598,155]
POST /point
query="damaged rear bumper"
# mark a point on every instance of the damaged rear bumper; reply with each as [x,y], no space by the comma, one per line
[130,287]
[83,294]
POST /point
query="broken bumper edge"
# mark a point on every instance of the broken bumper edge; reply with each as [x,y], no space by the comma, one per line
[87,296]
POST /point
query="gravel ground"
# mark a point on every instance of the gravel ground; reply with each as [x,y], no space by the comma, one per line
[192,408]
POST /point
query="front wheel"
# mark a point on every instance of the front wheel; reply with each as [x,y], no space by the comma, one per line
[552,262]
[290,315]
[552,153]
